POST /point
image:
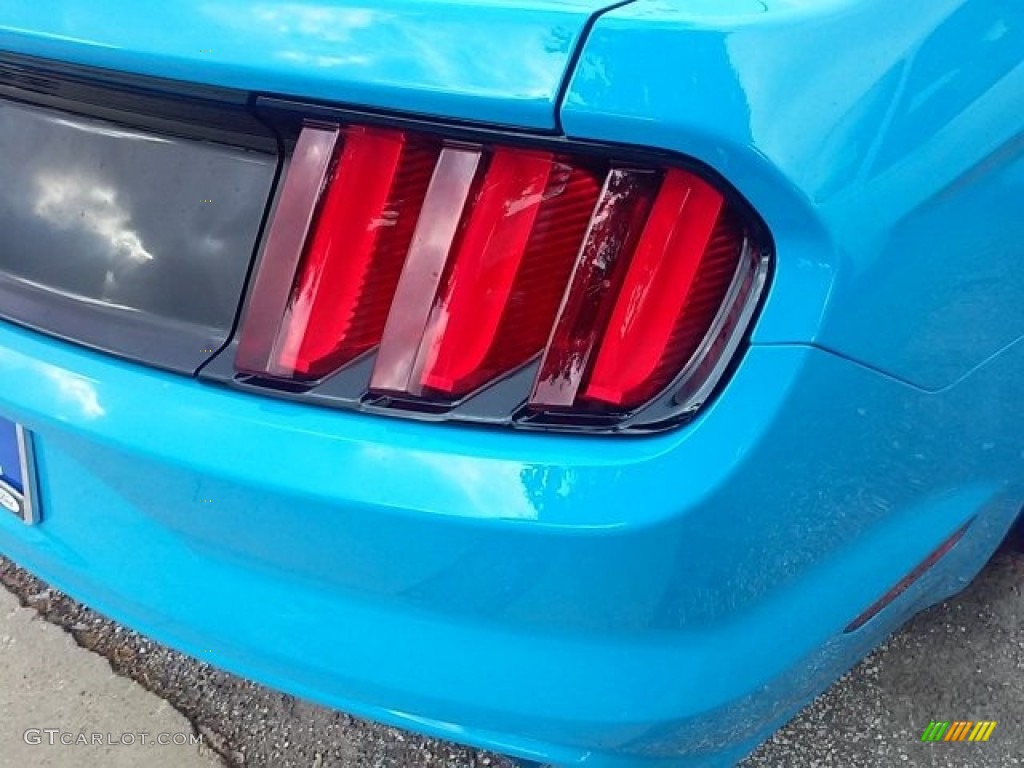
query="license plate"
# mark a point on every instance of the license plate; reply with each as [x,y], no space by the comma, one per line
[17,472]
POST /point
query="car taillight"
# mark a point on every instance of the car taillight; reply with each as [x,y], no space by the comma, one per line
[610,294]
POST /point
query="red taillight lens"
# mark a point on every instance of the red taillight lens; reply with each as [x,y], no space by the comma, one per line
[463,264]
[672,291]
[283,248]
[612,235]
[500,282]
[460,344]
[352,258]
[355,255]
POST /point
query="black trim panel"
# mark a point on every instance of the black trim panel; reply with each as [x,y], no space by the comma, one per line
[121,235]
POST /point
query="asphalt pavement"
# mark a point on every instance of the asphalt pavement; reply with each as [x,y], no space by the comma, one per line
[962,660]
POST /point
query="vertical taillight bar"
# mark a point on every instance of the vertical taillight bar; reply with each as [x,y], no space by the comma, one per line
[614,228]
[355,254]
[642,347]
[397,359]
[339,255]
[297,205]
[467,313]
[502,279]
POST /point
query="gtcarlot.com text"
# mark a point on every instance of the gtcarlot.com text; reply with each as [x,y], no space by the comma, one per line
[59,737]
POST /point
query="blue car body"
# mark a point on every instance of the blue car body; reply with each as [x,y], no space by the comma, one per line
[664,600]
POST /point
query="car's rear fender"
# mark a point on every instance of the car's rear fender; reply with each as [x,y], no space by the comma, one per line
[882,143]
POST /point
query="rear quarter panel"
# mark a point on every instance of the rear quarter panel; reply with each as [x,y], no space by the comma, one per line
[883,143]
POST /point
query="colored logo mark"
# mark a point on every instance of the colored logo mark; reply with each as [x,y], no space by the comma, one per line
[958,730]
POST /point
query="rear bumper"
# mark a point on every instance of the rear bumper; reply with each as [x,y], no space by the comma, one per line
[599,601]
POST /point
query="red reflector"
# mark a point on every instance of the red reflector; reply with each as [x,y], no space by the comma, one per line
[618,218]
[662,310]
[907,581]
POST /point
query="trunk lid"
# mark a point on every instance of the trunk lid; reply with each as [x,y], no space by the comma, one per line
[494,61]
